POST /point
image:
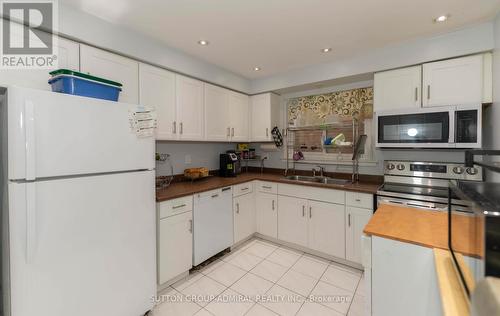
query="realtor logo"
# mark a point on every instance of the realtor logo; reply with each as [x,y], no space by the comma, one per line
[28,40]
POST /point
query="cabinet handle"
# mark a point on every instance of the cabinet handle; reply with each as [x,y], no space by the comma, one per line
[191,226]
[237,208]
[357,200]
[416,94]
[215,195]
[349,220]
[303,210]
[267,131]
[181,128]
[428,92]
[273,205]
[228,132]
[310,212]
[266,187]
[175,127]
[232,131]
[178,206]
[244,189]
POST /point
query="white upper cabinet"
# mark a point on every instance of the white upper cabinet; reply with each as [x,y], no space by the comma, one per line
[397,89]
[226,115]
[157,89]
[265,112]
[238,116]
[217,116]
[453,81]
[68,58]
[190,113]
[114,67]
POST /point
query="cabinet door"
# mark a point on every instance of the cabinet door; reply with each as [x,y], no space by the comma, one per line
[175,246]
[267,214]
[261,117]
[68,58]
[189,108]
[356,220]
[157,89]
[292,220]
[397,89]
[217,124]
[239,118]
[114,67]
[326,228]
[244,216]
[454,81]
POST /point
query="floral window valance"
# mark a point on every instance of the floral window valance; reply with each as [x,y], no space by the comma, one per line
[331,107]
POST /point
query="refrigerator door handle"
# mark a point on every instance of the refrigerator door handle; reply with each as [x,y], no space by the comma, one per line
[30,221]
[29,123]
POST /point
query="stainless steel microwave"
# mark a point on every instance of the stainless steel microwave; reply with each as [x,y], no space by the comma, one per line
[439,127]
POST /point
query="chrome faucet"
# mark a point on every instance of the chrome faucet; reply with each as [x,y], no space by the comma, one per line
[321,171]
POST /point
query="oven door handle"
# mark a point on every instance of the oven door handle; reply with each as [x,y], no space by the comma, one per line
[422,205]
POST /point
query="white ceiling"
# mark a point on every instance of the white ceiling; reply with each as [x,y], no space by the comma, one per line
[281,35]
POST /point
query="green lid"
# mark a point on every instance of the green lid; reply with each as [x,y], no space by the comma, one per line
[59,72]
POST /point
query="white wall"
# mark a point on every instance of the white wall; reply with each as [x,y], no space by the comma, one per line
[202,155]
[84,27]
[492,127]
[469,40]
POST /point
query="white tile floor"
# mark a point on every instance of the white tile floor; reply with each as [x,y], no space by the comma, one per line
[261,278]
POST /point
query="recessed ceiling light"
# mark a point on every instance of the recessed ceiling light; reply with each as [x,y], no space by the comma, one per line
[256,68]
[326,50]
[203,42]
[441,18]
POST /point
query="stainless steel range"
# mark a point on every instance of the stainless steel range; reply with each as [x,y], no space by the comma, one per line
[424,184]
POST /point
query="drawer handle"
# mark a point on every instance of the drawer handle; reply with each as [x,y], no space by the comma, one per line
[225,189]
[215,195]
[266,187]
[244,189]
[357,200]
[178,206]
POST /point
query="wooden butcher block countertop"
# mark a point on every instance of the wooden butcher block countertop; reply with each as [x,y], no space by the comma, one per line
[423,227]
[179,189]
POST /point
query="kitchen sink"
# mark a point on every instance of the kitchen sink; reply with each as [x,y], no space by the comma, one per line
[325,180]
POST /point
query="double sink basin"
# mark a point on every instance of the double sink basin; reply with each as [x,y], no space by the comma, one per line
[325,180]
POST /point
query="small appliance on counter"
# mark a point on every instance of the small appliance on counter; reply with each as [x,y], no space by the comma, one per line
[228,164]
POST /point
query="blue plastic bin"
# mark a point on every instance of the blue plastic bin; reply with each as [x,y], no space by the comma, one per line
[88,88]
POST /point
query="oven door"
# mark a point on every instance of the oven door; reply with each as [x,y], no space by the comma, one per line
[431,129]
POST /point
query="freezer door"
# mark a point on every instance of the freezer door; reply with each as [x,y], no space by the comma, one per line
[52,134]
[83,246]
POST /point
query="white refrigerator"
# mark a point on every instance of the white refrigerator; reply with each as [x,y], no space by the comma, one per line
[78,207]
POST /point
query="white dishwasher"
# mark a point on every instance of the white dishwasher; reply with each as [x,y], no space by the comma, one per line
[213,223]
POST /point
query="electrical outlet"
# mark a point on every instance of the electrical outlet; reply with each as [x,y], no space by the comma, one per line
[187,159]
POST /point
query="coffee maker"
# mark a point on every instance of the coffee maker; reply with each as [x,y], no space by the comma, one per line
[228,165]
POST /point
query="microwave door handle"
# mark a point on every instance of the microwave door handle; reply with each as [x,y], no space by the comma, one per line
[452,126]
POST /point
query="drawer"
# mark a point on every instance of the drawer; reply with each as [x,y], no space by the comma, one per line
[363,200]
[242,188]
[267,187]
[312,193]
[175,206]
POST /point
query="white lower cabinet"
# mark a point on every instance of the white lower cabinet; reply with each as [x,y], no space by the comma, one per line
[404,276]
[326,228]
[292,220]
[244,216]
[266,207]
[175,246]
[356,220]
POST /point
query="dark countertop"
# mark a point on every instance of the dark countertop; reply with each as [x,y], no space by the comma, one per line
[179,189]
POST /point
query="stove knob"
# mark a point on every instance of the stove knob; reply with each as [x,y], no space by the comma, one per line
[390,166]
[401,167]
[458,170]
[472,171]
